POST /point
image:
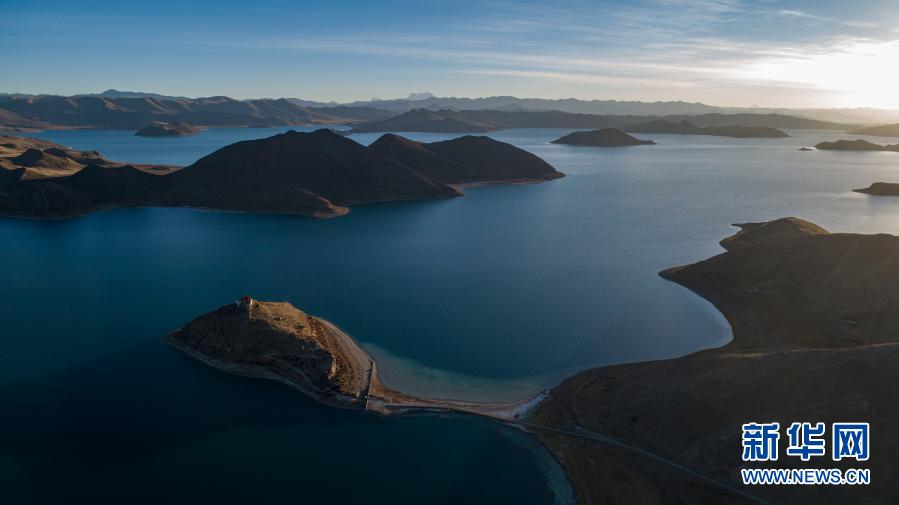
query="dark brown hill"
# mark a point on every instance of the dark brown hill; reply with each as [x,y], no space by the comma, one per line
[90,189]
[494,161]
[468,159]
[315,173]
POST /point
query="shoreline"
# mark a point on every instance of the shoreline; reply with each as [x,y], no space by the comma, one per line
[668,431]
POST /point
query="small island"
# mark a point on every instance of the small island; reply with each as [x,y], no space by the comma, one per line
[685,127]
[605,137]
[168,130]
[855,145]
[880,189]
[275,340]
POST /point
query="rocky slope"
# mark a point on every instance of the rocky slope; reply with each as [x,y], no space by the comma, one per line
[276,341]
[816,338]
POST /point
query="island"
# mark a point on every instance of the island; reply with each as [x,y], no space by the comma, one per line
[890,130]
[855,145]
[275,340]
[815,337]
[880,189]
[605,137]
[318,174]
[176,129]
[685,127]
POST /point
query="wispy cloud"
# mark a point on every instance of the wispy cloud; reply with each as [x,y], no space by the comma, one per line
[658,49]
[845,22]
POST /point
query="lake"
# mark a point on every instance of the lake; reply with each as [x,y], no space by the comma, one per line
[495,295]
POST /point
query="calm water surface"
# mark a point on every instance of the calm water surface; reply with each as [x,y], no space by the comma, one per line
[494,295]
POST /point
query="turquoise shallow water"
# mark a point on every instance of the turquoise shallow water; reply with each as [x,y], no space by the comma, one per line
[493,295]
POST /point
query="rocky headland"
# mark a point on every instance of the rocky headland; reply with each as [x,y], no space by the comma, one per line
[605,137]
[275,340]
[816,337]
[880,189]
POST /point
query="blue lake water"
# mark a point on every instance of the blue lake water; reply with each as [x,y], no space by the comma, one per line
[493,295]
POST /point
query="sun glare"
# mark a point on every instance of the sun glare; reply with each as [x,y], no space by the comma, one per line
[862,74]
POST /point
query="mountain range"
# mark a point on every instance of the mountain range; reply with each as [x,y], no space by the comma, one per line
[224,111]
[457,121]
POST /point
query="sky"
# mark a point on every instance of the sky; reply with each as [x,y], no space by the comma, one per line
[772,53]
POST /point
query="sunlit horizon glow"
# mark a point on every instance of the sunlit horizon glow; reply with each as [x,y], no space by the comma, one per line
[769,53]
[863,74]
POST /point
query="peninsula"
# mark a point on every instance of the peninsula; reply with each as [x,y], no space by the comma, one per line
[606,137]
[855,145]
[274,340]
[815,338]
[685,127]
[24,159]
[880,189]
[318,174]
[889,130]
[176,129]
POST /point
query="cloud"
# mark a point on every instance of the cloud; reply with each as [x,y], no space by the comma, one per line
[844,22]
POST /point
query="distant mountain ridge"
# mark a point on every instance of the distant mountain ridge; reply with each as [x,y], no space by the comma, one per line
[137,112]
[135,109]
[474,121]
[425,100]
